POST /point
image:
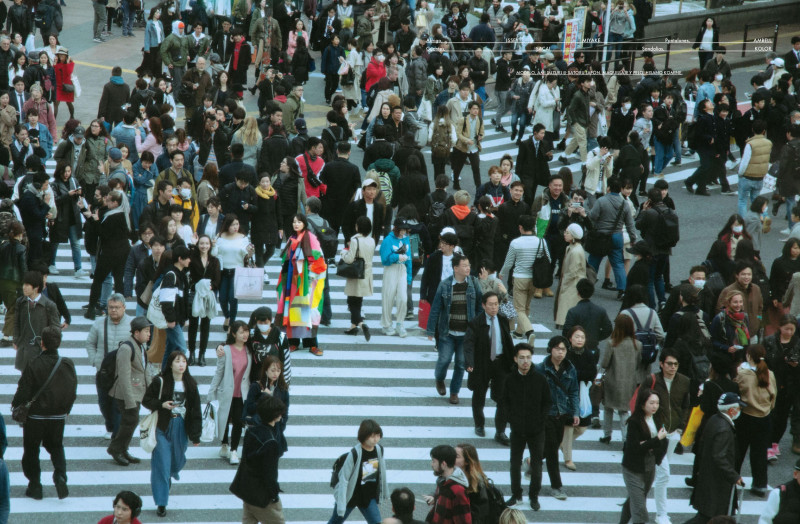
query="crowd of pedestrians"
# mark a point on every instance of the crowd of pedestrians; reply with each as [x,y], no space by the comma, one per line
[172,212]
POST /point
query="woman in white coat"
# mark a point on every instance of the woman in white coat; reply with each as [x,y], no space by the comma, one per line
[572,270]
[362,246]
[544,101]
[230,385]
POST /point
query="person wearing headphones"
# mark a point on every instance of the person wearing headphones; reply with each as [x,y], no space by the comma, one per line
[127,507]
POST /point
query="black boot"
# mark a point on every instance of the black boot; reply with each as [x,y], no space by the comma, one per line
[191,357]
[201,359]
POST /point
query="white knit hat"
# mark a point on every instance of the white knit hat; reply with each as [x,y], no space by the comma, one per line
[576,231]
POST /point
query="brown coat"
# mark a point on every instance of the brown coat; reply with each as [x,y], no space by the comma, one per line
[753,304]
[573,269]
[8,119]
[462,132]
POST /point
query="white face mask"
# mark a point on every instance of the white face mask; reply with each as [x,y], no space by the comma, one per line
[380,58]
[718,78]
[738,412]
[264,328]
[186,194]
[699,284]
[626,107]
[737,229]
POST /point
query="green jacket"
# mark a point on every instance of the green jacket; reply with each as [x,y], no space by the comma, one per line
[578,110]
[292,109]
[96,154]
[175,50]
[258,29]
[203,48]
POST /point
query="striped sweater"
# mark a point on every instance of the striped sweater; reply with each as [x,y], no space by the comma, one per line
[522,252]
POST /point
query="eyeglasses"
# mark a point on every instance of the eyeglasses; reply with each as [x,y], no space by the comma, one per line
[671,364]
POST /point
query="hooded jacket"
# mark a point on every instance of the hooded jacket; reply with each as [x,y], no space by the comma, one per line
[451,504]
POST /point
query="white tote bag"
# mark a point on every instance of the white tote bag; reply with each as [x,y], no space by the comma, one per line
[209,431]
[77,85]
[248,282]
[154,313]
[148,427]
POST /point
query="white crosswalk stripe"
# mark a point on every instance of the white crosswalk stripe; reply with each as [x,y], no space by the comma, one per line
[390,380]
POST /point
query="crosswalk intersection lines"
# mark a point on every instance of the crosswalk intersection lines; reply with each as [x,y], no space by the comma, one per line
[390,379]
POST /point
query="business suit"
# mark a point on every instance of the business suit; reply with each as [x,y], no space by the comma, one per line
[532,166]
[14,101]
[791,62]
[485,371]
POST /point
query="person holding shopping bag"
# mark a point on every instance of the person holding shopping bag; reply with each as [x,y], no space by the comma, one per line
[175,397]
[231,382]
[230,248]
[362,245]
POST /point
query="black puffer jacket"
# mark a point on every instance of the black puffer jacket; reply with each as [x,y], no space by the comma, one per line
[12,260]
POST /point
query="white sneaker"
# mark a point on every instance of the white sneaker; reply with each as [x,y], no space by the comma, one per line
[224,452]
[81,273]
[786,231]
[234,458]
[389,332]
[401,332]
[663,519]
[107,436]
[53,270]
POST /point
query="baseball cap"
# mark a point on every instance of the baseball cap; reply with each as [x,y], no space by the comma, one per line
[549,56]
[300,124]
[730,400]
[424,36]
[115,154]
[79,132]
[368,182]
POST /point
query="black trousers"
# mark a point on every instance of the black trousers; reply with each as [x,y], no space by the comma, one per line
[128,422]
[264,252]
[457,161]
[754,433]
[331,84]
[479,402]
[205,326]
[535,444]
[106,265]
[553,434]
[354,306]
[234,418]
[47,433]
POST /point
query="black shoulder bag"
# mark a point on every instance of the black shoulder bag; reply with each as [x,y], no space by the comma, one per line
[354,269]
[313,179]
[20,413]
[600,244]
[542,269]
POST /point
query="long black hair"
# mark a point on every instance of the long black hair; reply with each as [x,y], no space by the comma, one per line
[188,380]
[638,415]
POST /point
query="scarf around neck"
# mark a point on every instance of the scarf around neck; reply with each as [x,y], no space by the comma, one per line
[740,331]
[265,193]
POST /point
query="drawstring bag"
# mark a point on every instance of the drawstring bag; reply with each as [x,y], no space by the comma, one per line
[148,427]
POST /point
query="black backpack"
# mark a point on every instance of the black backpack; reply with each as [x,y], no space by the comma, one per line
[328,239]
[668,231]
[497,504]
[43,19]
[107,374]
[647,337]
[337,466]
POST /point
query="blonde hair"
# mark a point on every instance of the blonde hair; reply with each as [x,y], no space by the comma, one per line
[347,22]
[249,133]
[512,516]
[461,197]
[472,468]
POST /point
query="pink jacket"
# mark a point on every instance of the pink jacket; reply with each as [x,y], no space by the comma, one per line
[149,144]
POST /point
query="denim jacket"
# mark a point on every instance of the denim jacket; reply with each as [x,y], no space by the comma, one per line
[439,317]
[564,400]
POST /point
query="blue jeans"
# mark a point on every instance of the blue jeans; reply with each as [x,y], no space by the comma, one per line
[614,38]
[168,459]
[363,99]
[516,117]
[676,146]
[105,291]
[327,313]
[664,154]
[141,311]
[748,191]
[447,346]
[75,246]
[127,18]
[175,342]
[229,304]
[108,408]
[370,513]
[616,260]
[591,143]
[5,492]
[656,284]
[482,93]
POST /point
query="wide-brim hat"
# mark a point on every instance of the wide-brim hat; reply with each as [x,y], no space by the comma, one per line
[62,51]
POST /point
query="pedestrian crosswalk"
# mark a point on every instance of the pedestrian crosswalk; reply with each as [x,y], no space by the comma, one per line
[389,379]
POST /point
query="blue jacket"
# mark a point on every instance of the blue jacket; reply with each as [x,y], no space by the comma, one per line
[439,317]
[151,36]
[389,247]
[126,135]
[330,59]
[45,139]
[564,389]
[704,92]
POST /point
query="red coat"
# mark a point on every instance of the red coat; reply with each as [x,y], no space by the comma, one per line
[375,71]
[64,75]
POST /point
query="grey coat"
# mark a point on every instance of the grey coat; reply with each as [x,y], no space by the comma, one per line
[95,344]
[355,287]
[623,372]
[29,322]
[131,381]
[348,477]
[221,388]
[604,212]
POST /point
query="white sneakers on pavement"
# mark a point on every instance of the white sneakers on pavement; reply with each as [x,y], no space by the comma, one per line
[224,451]
[234,458]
